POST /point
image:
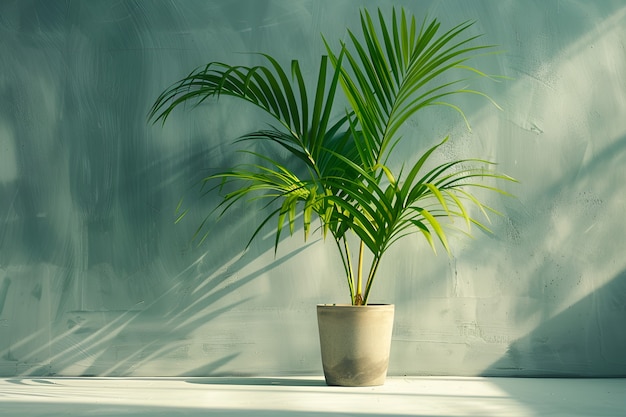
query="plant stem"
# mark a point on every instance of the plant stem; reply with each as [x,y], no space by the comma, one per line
[349,273]
[359,283]
[370,279]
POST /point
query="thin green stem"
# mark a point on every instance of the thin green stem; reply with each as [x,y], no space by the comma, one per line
[370,279]
[359,283]
[349,272]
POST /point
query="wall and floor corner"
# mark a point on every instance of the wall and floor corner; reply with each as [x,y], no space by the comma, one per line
[95,278]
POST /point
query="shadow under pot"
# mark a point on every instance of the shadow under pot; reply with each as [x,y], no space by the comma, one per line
[355,342]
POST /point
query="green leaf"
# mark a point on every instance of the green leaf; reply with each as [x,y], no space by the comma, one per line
[436,227]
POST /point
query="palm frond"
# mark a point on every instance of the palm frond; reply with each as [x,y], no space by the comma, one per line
[336,169]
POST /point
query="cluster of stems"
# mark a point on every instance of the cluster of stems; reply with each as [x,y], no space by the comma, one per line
[358,294]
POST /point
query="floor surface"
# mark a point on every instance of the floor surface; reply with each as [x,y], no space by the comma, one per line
[309,396]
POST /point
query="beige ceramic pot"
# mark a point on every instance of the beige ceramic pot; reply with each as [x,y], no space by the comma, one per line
[355,342]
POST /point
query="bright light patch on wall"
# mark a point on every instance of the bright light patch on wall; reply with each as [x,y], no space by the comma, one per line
[575,106]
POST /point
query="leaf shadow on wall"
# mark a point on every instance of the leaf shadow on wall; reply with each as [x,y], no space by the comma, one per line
[100,281]
[142,317]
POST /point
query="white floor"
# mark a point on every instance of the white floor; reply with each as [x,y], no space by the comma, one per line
[309,396]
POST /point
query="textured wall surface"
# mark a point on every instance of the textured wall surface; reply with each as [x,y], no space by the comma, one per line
[95,279]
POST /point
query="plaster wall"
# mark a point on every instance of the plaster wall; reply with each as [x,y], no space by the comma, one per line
[95,278]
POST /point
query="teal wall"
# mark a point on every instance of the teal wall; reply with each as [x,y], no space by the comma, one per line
[95,279]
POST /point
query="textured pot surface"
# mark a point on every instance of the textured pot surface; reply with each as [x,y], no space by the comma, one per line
[355,343]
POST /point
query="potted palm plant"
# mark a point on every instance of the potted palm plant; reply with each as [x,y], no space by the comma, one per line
[338,169]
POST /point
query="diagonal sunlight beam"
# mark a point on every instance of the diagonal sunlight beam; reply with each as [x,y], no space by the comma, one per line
[596,62]
[571,128]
